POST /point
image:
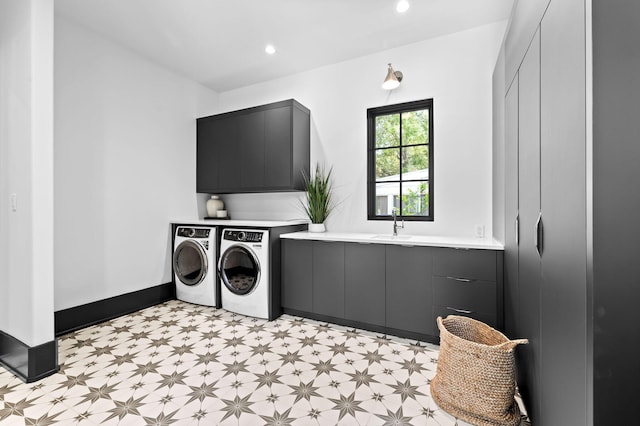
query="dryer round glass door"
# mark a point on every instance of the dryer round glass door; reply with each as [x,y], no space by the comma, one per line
[190,263]
[239,270]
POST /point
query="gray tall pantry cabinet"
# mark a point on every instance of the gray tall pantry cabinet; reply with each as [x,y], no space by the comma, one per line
[571,153]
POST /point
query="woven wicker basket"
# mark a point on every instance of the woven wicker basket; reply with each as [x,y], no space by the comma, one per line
[475,376]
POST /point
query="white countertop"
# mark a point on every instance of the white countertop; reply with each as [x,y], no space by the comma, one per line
[230,223]
[401,239]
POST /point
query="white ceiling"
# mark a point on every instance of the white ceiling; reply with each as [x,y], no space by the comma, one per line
[221,43]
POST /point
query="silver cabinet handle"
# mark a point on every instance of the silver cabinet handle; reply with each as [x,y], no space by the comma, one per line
[460,311]
[538,234]
[517,228]
[464,280]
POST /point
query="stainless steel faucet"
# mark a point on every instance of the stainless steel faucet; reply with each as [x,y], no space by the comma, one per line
[395,223]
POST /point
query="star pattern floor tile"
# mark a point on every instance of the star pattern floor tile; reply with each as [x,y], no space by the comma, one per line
[183,364]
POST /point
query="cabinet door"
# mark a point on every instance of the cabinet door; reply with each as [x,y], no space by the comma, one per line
[328,278]
[365,283]
[564,319]
[529,266]
[297,275]
[408,289]
[252,150]
[206,167]
[228,152]
[278,149]
[512,228]
[300,135]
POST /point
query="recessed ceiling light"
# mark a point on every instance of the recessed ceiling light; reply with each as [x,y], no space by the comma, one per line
[270,49]
[402,6]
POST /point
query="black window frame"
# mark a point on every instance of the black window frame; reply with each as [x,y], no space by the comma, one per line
[372,113]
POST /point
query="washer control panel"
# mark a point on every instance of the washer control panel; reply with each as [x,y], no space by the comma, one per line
[193,232]
[246,236]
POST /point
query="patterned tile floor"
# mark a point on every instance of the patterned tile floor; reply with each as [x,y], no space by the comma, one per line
[184,364]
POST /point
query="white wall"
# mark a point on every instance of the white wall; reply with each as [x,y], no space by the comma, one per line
[26,169]
[455,70]
[125,165]
[125,149]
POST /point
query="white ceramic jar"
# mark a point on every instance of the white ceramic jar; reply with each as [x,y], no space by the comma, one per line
[213,205]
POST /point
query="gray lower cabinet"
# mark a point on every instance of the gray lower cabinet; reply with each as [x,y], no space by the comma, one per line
[328,278]
[390,288]
[364,291]
[408,292]
[297,275]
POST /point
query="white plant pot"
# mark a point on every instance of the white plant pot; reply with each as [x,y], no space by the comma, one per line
[317,227]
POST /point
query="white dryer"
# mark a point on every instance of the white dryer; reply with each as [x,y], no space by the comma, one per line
[194,264]
[243,268]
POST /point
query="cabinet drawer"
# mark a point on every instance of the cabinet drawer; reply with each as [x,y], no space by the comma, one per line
[461,263]
[474,296]
[487,318]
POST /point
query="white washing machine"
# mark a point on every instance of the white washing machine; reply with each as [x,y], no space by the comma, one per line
[194,264]
[243,268]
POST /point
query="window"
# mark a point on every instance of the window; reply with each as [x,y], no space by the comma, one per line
[400,161]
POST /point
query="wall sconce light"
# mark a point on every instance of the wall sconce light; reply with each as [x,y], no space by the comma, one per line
[393,79]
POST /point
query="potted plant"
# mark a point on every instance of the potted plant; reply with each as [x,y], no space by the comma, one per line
[319,203]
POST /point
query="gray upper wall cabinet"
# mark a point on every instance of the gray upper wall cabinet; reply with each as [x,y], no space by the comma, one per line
[571,159]
[259,149]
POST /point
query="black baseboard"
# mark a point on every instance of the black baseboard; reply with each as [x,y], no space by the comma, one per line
[365,326]
[72,319]
[27,362]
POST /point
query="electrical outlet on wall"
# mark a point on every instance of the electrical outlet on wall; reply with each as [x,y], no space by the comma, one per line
[479,231]
[14,202]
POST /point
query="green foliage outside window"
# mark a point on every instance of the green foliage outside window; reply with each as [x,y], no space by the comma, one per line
[416,202]
[415,130]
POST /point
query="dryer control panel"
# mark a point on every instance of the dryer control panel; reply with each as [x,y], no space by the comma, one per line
[246,236]
[193,232]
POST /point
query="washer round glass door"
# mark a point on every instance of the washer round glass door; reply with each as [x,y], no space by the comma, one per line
[239,269]
[190,263]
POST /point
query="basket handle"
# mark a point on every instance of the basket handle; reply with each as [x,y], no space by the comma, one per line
[439,321]
[510,344]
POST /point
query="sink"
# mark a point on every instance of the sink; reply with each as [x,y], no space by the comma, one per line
[392,237]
